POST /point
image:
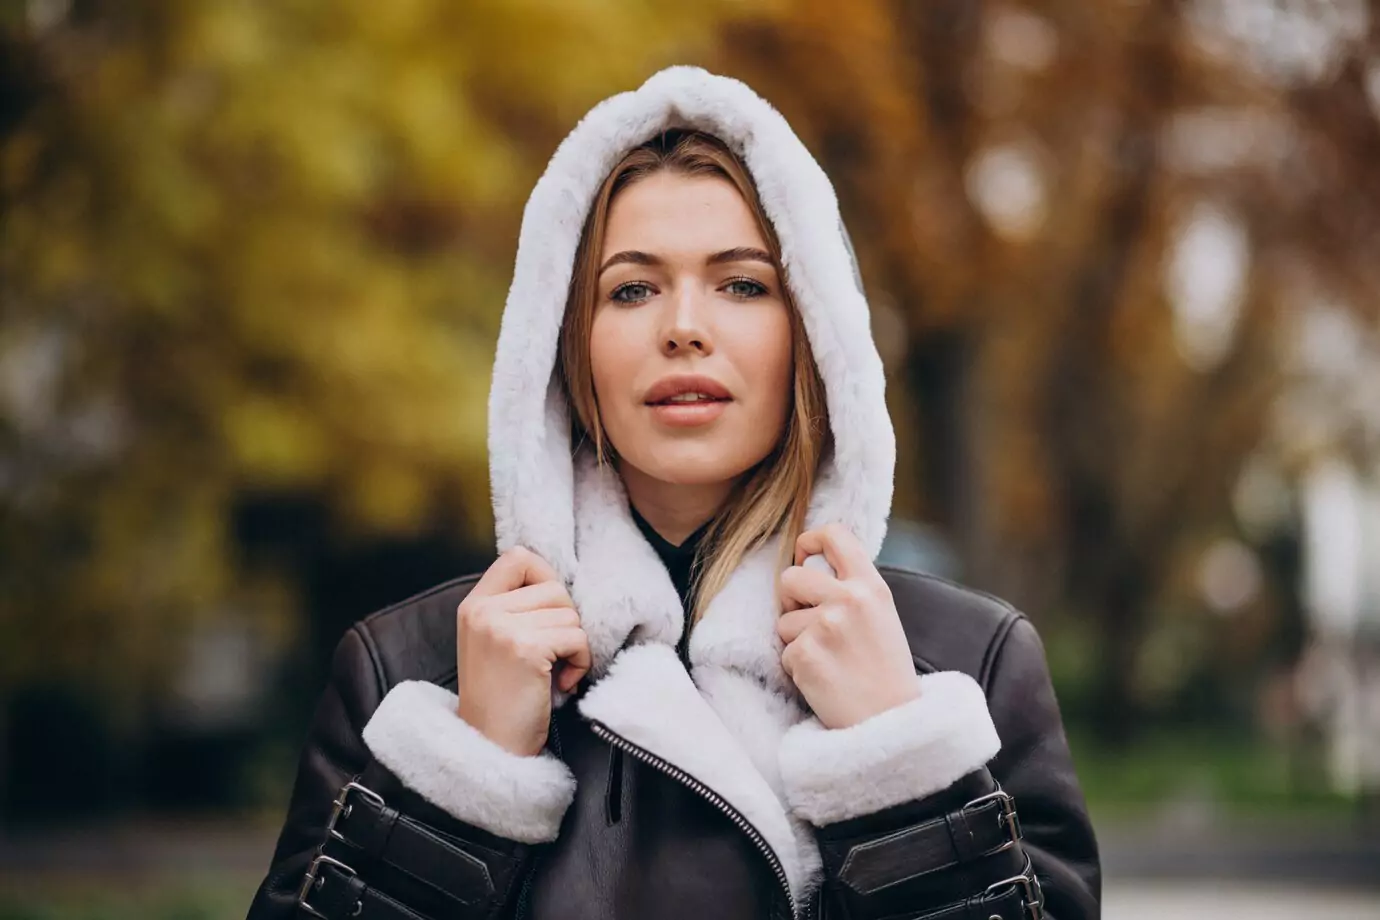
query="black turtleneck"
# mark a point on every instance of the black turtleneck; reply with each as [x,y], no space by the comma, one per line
[677,559]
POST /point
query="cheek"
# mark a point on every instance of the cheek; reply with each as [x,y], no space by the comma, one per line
[771,361]
[612,364]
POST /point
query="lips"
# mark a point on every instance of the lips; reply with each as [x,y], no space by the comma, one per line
[686,390]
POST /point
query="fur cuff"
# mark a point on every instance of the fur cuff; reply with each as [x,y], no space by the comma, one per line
[903,754]
[417,734]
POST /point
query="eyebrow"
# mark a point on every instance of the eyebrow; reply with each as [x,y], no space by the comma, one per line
[736,254]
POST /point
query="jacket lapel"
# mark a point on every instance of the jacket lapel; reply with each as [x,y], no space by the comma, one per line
[722,729]
[649,701]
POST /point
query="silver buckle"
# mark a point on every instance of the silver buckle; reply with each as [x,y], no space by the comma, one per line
[1007,817]
[314,879]
[1032,896]
[342,807]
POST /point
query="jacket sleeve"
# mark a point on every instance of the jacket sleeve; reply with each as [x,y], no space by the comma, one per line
[890,798]
[431,794]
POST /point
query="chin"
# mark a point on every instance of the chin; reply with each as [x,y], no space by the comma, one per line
[699,464]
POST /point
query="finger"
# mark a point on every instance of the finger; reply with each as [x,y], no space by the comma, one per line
[543,618]
[514,569]
[568,676]
[793,656]
[803,587]
[789,626]
[571,646]
[838,544]
[536,597]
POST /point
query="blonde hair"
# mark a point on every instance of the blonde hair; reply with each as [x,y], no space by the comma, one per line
[774,496]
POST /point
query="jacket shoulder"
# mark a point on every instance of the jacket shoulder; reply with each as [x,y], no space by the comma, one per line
[950,627]
[414,639]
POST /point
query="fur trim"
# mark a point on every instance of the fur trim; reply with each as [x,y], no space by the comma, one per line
[758,718]
[417,734]
[738,631]
[906,753]
[648,699]
[621,588]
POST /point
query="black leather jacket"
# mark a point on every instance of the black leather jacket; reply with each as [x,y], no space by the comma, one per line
[642,842]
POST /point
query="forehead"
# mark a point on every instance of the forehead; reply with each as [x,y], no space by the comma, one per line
[680,216]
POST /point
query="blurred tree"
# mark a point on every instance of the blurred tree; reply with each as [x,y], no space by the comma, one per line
[1097,225]
[256,249]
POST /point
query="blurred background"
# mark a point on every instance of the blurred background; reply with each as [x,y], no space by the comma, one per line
[1125,262]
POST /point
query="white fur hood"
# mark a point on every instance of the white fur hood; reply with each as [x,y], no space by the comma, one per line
[734,721]
[534,486]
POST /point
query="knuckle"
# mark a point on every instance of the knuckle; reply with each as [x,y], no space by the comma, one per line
[788,659]
[470,615]
[519,557]
[856,595]
[804,651]
[787,631]
[507,642]
[831,623]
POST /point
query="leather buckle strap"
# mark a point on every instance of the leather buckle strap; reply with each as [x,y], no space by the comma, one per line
[1028,886]
[984,827]
[338,893]
[363,821]
[1007,819]
[1015,898]
[343,808]
[315,879]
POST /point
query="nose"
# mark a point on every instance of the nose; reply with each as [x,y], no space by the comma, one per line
[686,327]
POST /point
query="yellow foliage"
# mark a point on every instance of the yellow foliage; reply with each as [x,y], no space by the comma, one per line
[274,239]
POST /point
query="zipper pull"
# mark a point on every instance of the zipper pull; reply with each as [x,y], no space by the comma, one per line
[613,793]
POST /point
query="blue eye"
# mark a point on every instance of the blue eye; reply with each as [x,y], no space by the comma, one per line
[640,290]
[746,288]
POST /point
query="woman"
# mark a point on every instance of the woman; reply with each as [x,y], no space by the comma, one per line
[684,689]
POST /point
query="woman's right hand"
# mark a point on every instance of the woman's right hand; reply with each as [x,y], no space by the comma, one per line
[512,629]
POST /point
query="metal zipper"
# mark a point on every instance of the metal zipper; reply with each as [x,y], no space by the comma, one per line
[709,795]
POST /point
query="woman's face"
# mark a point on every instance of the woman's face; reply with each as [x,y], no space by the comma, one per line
[691,340]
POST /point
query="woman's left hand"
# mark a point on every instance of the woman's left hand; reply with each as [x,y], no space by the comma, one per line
[845,647]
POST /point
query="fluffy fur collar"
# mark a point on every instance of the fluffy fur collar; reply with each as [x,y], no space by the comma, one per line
[726,727]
